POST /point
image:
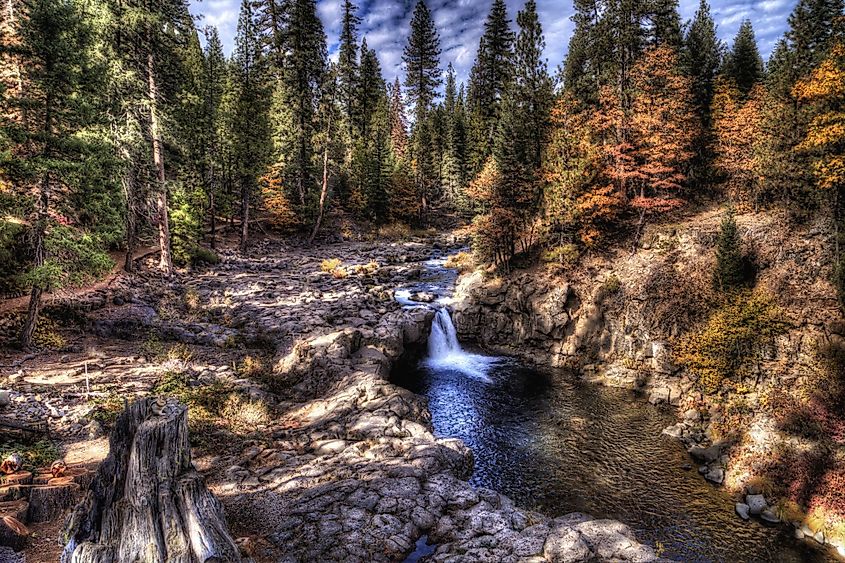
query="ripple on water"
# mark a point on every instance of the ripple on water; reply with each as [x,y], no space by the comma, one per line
[557,445]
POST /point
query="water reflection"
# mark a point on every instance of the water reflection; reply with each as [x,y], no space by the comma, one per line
[557,445]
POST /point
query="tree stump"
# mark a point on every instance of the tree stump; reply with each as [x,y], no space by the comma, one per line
[47,502]
[17,478]
[13,533]
[146,502]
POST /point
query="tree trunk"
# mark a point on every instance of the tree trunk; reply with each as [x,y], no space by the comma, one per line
[324,192]
[147,503]
[40,230]
[166,261]
[244,215]
[213,211]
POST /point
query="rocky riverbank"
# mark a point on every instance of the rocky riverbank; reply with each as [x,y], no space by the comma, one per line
[773,431]
[314,454]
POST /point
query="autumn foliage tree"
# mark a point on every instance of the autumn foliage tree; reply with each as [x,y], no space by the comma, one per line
[824,89]
[737,126]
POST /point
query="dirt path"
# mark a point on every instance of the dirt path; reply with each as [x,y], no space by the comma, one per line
[20,303]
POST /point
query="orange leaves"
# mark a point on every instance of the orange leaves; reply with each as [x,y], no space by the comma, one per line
[483,187]
[825,89]
[277,204]
[737,126]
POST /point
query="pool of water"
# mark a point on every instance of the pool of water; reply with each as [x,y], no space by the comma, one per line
[555,444]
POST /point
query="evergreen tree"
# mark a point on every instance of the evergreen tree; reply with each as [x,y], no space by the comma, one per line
[814,27]
[583,68]
[490,75]
[665,24]
[216,73]
[370,90]
[701,58]
[455,141]
[348,82]
[533,85]
[422,61]
[54,150]
[398,123]
[729,272]
[743,64]
[296,101]
[250,128]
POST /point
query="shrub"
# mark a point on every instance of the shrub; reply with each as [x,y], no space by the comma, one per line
[462,261]
[331,264]
[563,254]
[244,416]
[723,347]
[252,367]
[394,231]
[611,285]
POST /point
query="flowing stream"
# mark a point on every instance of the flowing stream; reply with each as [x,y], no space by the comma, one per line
[556,444]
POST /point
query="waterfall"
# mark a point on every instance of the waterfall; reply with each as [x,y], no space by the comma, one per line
[445,352]
[444,338]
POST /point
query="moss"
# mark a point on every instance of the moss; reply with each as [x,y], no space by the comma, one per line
[723,348]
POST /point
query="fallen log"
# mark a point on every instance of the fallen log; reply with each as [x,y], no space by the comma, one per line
[146,502]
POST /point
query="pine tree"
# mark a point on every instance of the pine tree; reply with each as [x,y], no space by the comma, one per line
[250,127]
[533,85]
[216,73]
[422,61]
[490,75]
[583,69]
[814,27]
[665,24]
[348,81]
[52,155]
[398,123]
[729,272]
[455,142]
[701,58]
[743,64]
[295,104]
[370,89]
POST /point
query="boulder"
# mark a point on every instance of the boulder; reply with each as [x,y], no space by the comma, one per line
[756,504]
[742,510]
[705,455]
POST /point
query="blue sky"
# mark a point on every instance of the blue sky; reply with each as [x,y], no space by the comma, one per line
[385,24]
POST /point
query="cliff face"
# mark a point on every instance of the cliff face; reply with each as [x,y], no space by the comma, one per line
[620,320]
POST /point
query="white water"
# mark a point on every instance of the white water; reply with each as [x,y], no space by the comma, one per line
[445,352]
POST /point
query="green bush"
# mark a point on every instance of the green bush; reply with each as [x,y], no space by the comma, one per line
[724,347]
[564,254]
[34,455]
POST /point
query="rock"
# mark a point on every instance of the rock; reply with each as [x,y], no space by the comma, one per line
[423,297]
[566,545]
[770,516]
[675,431]
[8,555]
[5,399]
[742,509]
[715,474]
[705,455]
[756,504]
[659,395]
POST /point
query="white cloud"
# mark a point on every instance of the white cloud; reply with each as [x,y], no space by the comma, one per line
[385,23]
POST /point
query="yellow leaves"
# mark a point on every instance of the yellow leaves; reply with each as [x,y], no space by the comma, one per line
[483,186]
[827,80]
[725,346]
[825,88]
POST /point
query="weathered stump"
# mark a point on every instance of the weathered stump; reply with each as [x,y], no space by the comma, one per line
[46,502]
[13,533]
[146,502]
